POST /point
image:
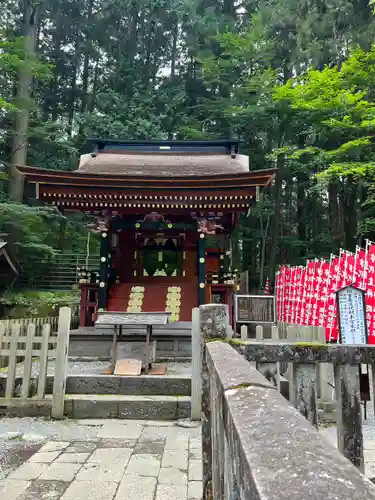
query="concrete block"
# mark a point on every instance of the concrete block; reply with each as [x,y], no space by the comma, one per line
[177,442]
[151,447]
[93,384]
[101,472]
[120,430]
[151,385]
[73,458]
[30,411]
[174,458]
[195,470]
[54,446]
[12,489]
[28,471]
[150,407]
[81,447]
[144,465]
[111,455]
[44,458]
[44,490]
[169,491]
[94,409]
[195,453]
[172,475]
[183,407]
[195,490]
[84,490]
[60,472]
[136,487]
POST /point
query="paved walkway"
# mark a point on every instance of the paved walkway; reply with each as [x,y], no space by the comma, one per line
[102,460]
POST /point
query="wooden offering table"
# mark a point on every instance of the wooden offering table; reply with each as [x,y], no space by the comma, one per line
[127,324]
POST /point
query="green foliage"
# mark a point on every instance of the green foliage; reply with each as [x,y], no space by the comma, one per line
[37,235]
[27,304]
[292,80]
[337,104]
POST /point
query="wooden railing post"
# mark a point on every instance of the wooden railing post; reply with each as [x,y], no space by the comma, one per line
[12,364]
[43,361]
[61,365]
[28,361]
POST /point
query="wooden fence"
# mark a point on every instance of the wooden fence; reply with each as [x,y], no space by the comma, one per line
[39,323]
[36,344]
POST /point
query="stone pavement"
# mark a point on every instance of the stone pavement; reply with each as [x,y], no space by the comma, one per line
[115,460]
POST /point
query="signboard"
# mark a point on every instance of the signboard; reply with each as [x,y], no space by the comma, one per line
[254,309]
[352,315]
[126,318]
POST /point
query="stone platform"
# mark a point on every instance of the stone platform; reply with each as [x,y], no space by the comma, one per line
[92,394]
[102,460]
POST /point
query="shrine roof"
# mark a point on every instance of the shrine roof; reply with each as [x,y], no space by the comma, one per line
[98,180]
[163,164]
[182,175]
[162,158]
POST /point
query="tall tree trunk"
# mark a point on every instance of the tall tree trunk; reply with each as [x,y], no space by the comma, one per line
[174,48]
[334,216]
[31,17]
[73,90]
[350,213]
[94,87]
[54,83]
[275,232]
[301,210]
[86,61]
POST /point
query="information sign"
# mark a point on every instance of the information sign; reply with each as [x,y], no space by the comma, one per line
[352,315]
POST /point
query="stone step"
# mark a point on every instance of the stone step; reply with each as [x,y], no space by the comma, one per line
[127,407]
[147,385]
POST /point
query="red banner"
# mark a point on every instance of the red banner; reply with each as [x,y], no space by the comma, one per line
[307,295]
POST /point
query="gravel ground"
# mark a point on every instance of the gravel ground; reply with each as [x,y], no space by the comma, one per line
[77,367]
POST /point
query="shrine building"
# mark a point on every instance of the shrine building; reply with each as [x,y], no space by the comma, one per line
[165,211]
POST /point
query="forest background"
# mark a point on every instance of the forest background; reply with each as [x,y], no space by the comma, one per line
[293,80]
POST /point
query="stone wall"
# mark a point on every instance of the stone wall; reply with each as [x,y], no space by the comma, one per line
[261,447]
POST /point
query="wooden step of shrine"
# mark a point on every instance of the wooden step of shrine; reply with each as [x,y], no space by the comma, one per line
[129,407]
[146,385]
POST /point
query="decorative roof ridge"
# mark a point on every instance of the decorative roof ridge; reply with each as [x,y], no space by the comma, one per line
[155,142]
[24,169]
[163,152]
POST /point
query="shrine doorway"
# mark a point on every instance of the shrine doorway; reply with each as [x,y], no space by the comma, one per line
[159,256]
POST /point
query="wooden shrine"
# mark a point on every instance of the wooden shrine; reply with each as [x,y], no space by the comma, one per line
[165,210]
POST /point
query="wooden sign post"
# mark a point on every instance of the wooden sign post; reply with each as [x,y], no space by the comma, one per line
[353,329]
[352,315]
[258,309]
